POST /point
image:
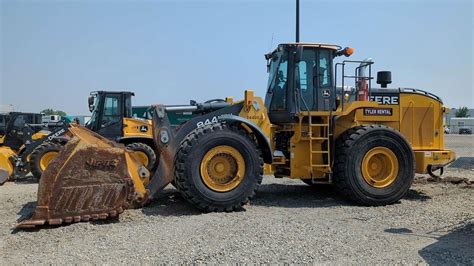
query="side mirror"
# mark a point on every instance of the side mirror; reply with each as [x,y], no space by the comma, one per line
[90,101]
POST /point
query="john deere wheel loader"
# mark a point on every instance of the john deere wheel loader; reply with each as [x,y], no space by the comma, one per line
[28,146]
[111,117]
[369,145]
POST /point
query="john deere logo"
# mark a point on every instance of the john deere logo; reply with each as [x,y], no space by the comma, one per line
[143,128]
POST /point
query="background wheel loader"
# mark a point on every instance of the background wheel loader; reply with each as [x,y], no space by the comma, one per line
[111,117]
[369,145]
[28,145]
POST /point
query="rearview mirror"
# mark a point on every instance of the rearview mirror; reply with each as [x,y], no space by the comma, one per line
[90,101]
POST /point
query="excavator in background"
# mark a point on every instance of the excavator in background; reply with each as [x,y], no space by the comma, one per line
[369,146]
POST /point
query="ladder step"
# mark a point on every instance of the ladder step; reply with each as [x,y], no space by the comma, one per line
[319,125]
[320,151]
[320,165]
[319,138]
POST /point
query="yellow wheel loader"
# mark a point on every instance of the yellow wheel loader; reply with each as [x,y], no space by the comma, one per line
[111,117]
[3,123]
[367,142]
[28,146]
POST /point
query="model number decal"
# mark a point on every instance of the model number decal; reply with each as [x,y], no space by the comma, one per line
[378,111]
[207,122]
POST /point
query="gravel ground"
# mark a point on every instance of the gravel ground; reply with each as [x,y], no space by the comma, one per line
[287,222]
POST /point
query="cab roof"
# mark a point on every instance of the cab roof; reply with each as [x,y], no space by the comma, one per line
[314,44]
[111,92]
[306,44]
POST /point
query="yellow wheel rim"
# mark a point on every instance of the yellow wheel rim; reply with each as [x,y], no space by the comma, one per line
[380,167]
[222,168]
[142,157]
[46,159]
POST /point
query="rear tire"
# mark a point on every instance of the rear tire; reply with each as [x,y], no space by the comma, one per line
[374,165]
[146,154]
[226,155]
[41,157]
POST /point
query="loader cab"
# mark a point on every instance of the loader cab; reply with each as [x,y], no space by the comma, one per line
[20,129]
[108,111]
[301,79]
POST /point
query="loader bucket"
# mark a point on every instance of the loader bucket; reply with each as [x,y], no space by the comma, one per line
[91,178]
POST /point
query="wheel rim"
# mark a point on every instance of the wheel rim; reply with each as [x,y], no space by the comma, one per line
[380,167]
[222,168]
[142,157]
[46,159]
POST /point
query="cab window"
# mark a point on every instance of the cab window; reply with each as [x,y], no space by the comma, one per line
[324,68]
[306,78]
[278,81]
[112,110]
[314,74]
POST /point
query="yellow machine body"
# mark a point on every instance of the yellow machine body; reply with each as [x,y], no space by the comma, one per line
[419,119]
[134,128]
[6,166]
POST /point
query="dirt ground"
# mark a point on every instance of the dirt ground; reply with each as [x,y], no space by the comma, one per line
[287,222]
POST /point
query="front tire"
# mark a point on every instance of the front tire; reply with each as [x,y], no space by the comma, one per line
[374,165]
[218,168]
[42,156]
[145,153]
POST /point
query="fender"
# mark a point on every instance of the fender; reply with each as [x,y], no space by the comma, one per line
[262,140]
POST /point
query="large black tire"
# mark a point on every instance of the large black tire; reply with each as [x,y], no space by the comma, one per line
[352,147]
[146,151]
[48,149]
[188,162]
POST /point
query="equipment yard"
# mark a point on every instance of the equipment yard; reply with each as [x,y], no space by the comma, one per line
[287,221]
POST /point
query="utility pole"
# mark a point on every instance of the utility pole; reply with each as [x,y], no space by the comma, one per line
[297,21]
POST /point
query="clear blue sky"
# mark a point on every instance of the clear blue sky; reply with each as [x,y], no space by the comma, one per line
[53,53]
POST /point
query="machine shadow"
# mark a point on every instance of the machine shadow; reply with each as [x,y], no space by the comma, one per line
[26,180]
[298,196]
[454,248]
[169,203]
[415,195]
[26,211]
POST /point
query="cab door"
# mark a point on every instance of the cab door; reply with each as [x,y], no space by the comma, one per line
[111,122]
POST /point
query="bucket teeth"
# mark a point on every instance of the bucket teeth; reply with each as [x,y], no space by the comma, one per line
[89,180]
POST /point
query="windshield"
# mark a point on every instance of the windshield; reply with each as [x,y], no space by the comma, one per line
[93,119]
[277,80]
